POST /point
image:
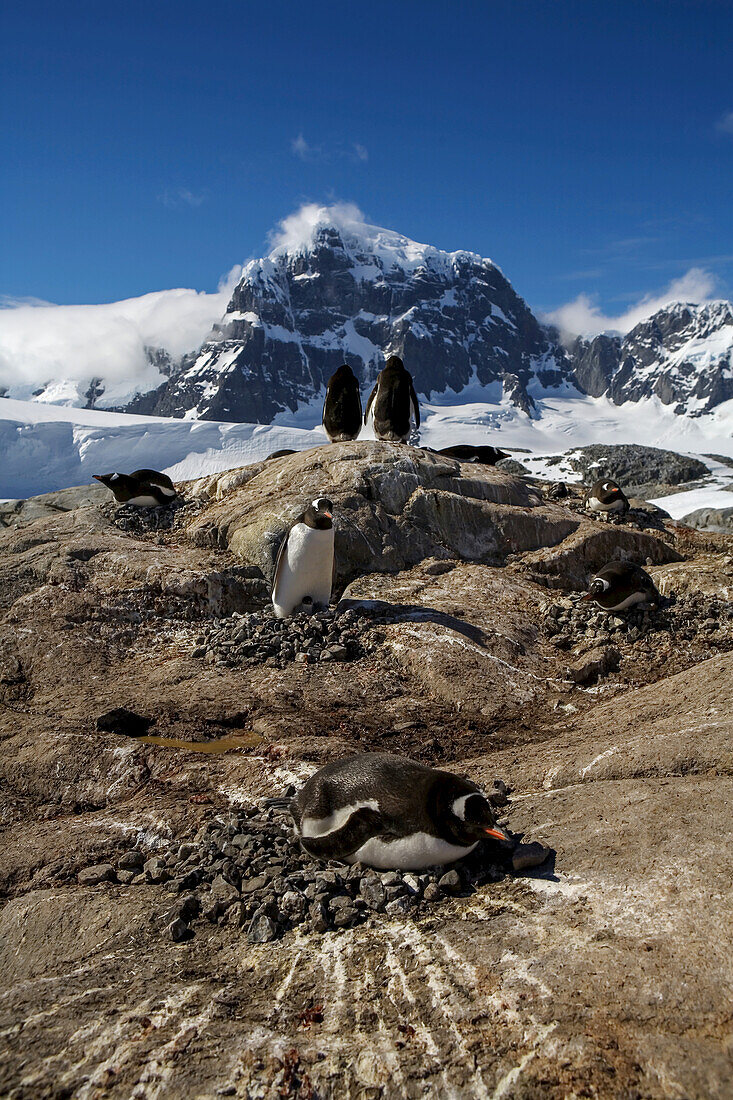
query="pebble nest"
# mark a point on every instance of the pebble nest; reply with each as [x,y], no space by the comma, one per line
[146,521]
[686,617]
[307,637]
[246,869]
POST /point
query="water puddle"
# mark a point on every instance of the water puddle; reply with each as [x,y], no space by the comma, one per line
[220,745]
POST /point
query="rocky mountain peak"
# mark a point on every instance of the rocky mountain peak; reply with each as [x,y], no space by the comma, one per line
[340,291]
[683,354]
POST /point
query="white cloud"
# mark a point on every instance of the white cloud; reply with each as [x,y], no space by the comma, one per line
[301,148]
[725,123]
[583,316]
[295,232]
[336,151]
[177,197]
[70,345]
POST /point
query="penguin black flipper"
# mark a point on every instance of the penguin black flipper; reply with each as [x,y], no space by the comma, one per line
[416,404]
[361,826]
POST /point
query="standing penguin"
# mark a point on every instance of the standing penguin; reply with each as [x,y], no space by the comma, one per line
[606,496]
[142,488]
[304,568]
[342,417]
[620,585]
[390,812]
[392,396]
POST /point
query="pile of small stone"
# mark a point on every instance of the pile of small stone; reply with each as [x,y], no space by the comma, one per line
[146,521]
[246,869]
[687,618]
[306,637]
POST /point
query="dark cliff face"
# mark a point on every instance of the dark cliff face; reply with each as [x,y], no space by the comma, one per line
[296,316]
[683,355]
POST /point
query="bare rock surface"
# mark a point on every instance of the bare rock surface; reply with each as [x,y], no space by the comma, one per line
[133,962]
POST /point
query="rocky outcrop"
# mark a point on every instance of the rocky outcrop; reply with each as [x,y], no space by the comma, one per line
[615,738]
[711,519]
[641,471]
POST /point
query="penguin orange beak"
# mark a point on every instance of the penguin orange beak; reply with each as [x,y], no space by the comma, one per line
[97,477]
[587,596]
[496,833]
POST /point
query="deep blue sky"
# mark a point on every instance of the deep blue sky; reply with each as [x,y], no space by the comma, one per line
[582,146]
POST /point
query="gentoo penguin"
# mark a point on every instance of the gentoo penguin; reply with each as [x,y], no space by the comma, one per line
[464,452]
[621,584]
[304,567]
[342,417]
[389,812]
[142,488]
[557,490]
[606,496]
[391,398]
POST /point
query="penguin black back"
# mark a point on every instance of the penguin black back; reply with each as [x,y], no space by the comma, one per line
[342,415]
[389,811]
[392,398]
[465,452]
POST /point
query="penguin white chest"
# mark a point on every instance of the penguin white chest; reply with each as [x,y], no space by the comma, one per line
[595,505]
[306,569]
[144,500]
[409,853]
[630,601]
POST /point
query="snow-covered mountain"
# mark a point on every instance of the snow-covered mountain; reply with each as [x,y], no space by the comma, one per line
[683,355]
[356,293]
[336,289]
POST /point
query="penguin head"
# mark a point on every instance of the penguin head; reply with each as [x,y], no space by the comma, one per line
[323,506]
[394,363]
[598,586]
[343,374]
[107,479]
[472,818]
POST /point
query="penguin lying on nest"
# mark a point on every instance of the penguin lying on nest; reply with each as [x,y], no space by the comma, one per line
[390,813]
[342,414]
[141,489]
[394,403]
[606,496]
[304,567]
[465,452]
[620,585]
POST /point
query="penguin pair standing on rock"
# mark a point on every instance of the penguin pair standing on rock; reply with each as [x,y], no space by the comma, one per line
[391,813]
[621,585]
[304,567]
[393,403]
[141,489]
[606,496]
